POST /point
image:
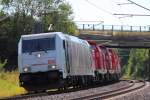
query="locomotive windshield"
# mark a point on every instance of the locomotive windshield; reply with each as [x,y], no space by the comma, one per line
[35,45]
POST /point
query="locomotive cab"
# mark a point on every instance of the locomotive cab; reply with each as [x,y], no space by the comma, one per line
[38,59]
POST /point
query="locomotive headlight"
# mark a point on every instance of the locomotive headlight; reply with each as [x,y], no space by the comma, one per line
[26,69]
[52,67]
[38,55]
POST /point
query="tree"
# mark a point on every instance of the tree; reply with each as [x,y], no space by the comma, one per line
[55,12]
[62,19]
[124,56]
[19,16]
[138,63]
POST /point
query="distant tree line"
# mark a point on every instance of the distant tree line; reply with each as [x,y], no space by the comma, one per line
[137,65]
[19,17]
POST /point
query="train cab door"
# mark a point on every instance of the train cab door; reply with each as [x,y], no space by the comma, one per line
[101,59]
[95,56]
[114,60]
[111,59]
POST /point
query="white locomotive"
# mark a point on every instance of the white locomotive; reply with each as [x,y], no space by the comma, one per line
[53,59]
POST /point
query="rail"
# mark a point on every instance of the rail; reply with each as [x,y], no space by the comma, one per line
[108,94]
[101,27]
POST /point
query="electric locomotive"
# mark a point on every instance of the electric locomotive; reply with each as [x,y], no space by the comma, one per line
[51,60]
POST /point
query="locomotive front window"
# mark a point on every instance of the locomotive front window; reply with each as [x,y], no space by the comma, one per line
[35,45]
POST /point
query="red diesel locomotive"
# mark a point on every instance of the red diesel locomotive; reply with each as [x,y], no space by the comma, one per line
[106,63]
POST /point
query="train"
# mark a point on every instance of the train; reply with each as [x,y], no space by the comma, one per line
[57,60]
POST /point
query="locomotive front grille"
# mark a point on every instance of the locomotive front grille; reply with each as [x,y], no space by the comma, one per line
[41,77]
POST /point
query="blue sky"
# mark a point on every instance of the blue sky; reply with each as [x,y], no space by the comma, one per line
[103,10]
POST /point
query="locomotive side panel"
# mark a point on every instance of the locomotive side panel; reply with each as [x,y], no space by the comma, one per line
[79,58]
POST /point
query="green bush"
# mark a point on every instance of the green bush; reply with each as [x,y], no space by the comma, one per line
[9,84]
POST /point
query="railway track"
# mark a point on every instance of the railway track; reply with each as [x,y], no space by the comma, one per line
[101,95]
[134,85]
[56,92]
[38,94]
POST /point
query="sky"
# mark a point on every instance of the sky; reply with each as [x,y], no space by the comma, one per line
[101,11]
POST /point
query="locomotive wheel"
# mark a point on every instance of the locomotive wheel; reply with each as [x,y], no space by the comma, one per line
[62,85]
[106,76]
[117,77]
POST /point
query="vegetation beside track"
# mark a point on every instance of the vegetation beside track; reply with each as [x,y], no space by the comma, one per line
[137,65]
[9,84]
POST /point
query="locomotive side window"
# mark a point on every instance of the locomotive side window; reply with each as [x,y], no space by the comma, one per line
[35,45]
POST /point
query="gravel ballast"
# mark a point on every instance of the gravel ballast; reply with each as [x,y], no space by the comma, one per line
[141,94]
[81,93]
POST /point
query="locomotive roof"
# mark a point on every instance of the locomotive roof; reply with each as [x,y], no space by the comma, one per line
[60,34]
[39,35]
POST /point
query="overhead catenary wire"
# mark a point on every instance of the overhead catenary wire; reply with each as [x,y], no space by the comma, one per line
[124,3]
[106,11]
[139,5]
[96,6]
[131,15]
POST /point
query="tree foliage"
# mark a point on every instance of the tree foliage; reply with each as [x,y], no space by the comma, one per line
[137,65]
[124,56]
[55,12]
[18,17]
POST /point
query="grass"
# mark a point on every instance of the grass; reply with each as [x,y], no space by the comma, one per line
[9,84]
[127,77]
